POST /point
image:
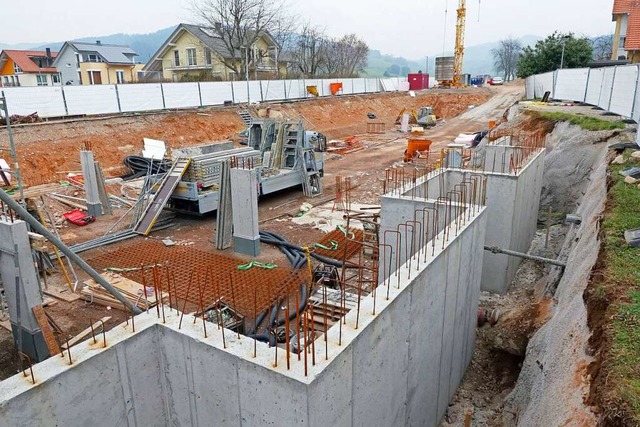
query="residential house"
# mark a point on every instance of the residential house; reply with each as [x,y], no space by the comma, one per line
[195,52]
[28,68]
[96,63]
[626,40]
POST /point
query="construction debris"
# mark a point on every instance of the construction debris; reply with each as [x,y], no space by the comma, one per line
[141,296]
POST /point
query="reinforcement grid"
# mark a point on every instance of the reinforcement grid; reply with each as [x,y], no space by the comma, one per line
[190,271]
[353,244]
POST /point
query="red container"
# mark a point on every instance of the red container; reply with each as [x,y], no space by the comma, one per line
[418,81]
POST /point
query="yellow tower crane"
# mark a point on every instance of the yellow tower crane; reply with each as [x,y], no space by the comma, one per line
[459,50]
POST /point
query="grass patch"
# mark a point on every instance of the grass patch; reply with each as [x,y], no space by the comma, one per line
[585,122]
[622,273]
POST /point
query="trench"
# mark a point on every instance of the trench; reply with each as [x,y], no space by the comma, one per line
[513,357]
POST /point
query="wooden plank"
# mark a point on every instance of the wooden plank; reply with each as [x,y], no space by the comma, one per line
[131,290]
[67,296]
[85,333]
[43,322]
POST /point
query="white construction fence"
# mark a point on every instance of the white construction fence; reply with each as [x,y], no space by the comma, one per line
[60,101]
[613,89]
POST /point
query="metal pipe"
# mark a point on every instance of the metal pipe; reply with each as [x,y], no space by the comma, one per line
[497,250]
[39,228]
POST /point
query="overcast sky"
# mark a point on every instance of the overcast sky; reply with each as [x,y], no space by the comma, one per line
[407,28]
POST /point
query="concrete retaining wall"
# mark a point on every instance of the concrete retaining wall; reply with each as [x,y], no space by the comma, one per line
[400,366]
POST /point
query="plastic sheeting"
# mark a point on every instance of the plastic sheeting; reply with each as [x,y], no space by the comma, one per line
[594,86]
[624,90]
[46,101]
[571,84]
[96,99]
[140,97]
[181,95]
[215,93]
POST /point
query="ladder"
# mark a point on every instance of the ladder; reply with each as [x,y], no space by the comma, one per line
[311,180]
[160,199]
[246,117]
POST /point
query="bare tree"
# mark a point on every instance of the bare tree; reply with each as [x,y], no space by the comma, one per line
[347,56]
[310,50]
[506,56]
[240,23]
[602,47]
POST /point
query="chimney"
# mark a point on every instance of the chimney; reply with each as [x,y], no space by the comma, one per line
[48,50]
[98,42]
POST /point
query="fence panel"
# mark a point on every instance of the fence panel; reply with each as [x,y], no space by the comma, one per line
[181,95]
[373,85]
[571,84]
[359,85]
[273,90]
[594,86]
[215,93]
[544,83]
[326,89]
[96,99]
[46,101]
[607,86]
[140,97]
[295,89]
[624,89]
[240,95]
[529,84]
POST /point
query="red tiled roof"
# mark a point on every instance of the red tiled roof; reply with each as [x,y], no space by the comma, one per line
[23,59]
[632,9]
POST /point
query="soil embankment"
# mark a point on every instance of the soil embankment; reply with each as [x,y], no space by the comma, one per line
[47,151]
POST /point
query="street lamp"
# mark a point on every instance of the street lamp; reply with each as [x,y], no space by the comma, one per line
[564,41]
[246,70]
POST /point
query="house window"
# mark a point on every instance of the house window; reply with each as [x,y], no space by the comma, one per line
[176,58]
[207,55]
[80,77]
[95,77]
[17,69]
[191,56]
[92,57]
[6,81]
[42,80]
[55,79]
[120,76]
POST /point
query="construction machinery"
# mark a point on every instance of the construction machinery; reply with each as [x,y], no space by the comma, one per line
[416,146]
[423,117]
[285,154]
[459,48]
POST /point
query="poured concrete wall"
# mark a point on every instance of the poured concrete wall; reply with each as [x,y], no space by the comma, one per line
[400,366]
[512,202]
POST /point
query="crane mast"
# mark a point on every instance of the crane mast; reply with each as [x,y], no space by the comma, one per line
[459,49]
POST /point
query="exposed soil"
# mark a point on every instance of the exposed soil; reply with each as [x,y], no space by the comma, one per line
[47,151]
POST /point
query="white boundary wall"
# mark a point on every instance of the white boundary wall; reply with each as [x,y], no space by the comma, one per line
[614,89]
[60,101]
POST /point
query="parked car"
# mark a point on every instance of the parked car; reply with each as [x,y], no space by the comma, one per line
[497,81]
